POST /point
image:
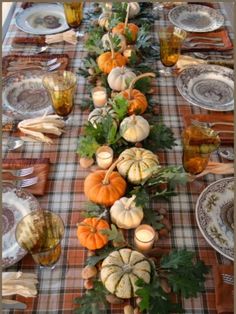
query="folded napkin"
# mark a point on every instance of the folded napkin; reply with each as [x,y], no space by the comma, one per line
[19,283]
[41,170]
[34,128]
[215,168]
[224,293]
[68,36]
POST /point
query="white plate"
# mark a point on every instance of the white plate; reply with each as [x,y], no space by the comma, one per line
[196,18]
[208,86]
[215,213]
[16,203]
[42,19]
[24,96]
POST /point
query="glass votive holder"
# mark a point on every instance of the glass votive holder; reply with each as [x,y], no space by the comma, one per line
[104,157]
[99,96]
[144,237]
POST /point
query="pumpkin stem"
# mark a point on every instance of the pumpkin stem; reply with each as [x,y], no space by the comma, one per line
[129,202]
[133,117]
[109,171]
[122,71]
[131,86]
[111,45]
[127,16]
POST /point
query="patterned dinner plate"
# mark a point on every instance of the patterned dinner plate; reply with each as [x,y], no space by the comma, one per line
[196,18]
[208,86]
[42,19]
[24,95]
[215,216]
[16,203]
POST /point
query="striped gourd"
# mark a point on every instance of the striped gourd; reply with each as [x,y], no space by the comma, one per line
[98,114]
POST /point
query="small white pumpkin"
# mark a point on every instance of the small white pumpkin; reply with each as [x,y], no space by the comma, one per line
[134,9]
[134,129]
[121,269]
[137,164]
[98,114]
[119,78]
[103,20]
[125,214]
[106,45]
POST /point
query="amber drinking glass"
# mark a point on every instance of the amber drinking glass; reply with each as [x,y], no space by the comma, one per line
[171,39]
[40,234]
[198,144]
[61,87]
[74,13]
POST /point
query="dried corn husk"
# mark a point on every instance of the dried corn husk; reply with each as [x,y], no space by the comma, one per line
[68,36]
[19,283]
[215,168]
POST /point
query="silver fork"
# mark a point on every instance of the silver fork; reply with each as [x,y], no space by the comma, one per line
[26,62]
[23,183]
[25,67]
[214,39]
[229,279]
[190,44]
[19,172]
[210,124]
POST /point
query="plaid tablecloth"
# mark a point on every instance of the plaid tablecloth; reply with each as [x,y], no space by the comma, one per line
[58,288]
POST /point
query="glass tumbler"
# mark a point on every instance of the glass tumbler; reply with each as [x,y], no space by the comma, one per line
[74,13]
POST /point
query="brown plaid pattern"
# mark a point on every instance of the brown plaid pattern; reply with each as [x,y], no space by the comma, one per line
[58,288]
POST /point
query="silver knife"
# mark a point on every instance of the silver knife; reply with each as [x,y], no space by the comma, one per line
[12,304]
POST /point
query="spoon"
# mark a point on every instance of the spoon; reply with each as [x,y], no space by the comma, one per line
[204,56]
[14,143]
[226,153]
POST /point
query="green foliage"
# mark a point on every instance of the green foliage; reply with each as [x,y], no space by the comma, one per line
[100,255]
[144,37]
[94,44]
[93,301]
[128,34]
[116,18]
[143,85]
[92,210]
[120,106]
[160,137]
[87,146]
[185,274]
[113,234]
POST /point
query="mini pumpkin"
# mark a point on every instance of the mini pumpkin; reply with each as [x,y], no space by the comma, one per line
[134,9]
[120,271]
[104,19]
[134,129]
[110,59]
[89,235]
[119,78]
[125,214]
[137,164]
[106,44]
[137,100]
[98,114]
[125,28]
[104,187]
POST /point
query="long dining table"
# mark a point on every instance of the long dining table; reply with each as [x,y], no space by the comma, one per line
[64,193]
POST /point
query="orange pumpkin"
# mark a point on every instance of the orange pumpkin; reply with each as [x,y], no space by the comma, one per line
[110,60]
[122,28]
[137,100]
[89,235]
[104,187]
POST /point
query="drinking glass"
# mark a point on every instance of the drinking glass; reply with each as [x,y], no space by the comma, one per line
[198,144]
[74,13]
[171,38]
[40,234]
[61,87]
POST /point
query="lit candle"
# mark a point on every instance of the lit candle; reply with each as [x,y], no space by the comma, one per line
[144,237]
[104,157]
[99,95]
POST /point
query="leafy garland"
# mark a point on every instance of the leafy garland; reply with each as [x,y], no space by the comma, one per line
[178,271]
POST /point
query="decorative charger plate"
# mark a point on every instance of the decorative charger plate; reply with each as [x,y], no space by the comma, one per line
[196,18]
[16,203]
[215,216]
[24,96]
[42,19]
[208,86]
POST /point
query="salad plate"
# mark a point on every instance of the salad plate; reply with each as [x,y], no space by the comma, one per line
[215,216]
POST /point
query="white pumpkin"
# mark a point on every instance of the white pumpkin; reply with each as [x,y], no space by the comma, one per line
[106,45]
[134,9]
[98,114]
[125,214]
[121,269]
[134,129]
[137,164]
[103,20]
[119,78]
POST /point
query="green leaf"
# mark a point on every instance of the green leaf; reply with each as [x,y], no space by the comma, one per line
[92,210]
[160,137]
[151,217]
[143,85]
[120,106]
[144,38]
[87,146]
[142,196]
[100,255]
[94,43]
[113,234]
